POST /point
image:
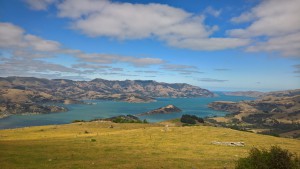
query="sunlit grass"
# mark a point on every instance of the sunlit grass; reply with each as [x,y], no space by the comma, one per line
[127,146]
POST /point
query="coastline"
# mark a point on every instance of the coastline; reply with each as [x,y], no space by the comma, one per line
[109,108]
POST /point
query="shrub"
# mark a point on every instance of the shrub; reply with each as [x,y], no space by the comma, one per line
[125,119]
[187,119]
[200,120]
[191,119]
[93,140]
[76,121]
[276,157]
[235,120]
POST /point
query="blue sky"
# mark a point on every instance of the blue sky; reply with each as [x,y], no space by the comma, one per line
[217,44]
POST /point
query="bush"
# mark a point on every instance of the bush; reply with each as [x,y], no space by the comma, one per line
[76,121]
[276,157]
[187,119]
[191,119]
[124,120]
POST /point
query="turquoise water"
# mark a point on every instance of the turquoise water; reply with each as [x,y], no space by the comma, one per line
[105,109]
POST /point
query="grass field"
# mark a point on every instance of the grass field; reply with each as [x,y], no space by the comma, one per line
[95,145]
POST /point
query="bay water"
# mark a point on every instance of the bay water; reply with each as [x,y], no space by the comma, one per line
[106,109]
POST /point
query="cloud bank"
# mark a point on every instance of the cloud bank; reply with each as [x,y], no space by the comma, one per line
[275,26]
[176,27]
[26,51]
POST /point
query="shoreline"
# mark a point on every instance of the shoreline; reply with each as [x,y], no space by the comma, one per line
[204,110]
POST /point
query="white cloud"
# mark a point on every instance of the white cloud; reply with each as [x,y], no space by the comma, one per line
[14,37]
[208,44]
[22,66]
[25,50]
[109,59]
[288,45]
[273,18]
[176,67]
[129,21]
[90,66]
[78,8]
[42,45]
[182,69]
[135,21]
[244,17]
[10,36]
[212,80]
[276,21]
[39,4]
[211,11]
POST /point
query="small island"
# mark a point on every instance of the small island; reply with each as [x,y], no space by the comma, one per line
[162,110]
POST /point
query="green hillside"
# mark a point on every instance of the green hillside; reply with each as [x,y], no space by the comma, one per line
[96,145]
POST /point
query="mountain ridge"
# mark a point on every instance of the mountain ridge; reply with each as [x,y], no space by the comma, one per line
[21,95]
[147,88]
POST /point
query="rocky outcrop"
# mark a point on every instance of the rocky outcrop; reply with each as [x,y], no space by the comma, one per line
[234,144]
[162,110]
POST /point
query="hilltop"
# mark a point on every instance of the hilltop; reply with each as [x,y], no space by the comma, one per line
[125,146]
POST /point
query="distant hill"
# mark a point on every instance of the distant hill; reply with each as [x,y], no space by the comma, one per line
[262,94]
[245,93]
[17,101]
[285,93]
[21,95]
[101,89]
[277,111]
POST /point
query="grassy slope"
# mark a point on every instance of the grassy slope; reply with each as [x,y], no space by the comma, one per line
[127,146]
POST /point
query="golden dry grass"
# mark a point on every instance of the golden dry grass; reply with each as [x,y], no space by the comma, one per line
[134,146]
